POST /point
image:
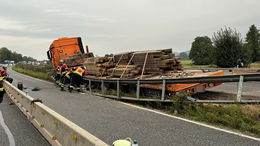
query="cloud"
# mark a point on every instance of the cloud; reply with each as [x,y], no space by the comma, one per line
[6,24]
[115,26]
[28,46]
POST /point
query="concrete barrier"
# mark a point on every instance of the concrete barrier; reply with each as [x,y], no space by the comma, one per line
[58,130]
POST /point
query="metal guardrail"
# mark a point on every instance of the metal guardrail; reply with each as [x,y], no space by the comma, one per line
[208,79]
[57,130]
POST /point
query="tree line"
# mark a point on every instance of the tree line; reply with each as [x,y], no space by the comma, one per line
[227,48]
[6,54]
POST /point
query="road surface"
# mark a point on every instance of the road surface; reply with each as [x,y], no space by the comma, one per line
[16,129]
[249,88]
[110,120]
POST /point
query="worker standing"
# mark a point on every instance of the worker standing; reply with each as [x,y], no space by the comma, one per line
[64,68]
[58,73]
[66,79]
[5,75]
[2,91]
[76,78]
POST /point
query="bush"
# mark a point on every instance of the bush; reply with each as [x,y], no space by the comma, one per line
[201,51]
[41,72]
[229,48]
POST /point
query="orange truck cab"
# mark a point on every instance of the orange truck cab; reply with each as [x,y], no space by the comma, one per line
[62,48]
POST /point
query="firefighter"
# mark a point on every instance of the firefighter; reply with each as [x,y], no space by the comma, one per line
[76,78]
[63,69]
[58,73]
[5,75]
[66,79]
[2,91]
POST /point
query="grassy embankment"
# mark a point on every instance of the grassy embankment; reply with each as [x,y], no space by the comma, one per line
[188,64]
[255,65]
[243,118]
[41,72]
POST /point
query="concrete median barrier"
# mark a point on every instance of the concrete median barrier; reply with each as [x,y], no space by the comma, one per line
[57,130]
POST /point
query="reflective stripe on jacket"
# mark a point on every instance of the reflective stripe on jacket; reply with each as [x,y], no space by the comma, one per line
[67,75]
[79,71]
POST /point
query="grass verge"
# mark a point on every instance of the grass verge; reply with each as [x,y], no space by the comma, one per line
[254,65]
[244,118]
[189,64]
[37,72]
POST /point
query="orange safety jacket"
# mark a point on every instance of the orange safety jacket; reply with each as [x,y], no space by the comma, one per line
[79,71]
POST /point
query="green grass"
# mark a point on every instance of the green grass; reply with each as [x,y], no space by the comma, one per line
[228,115]
[244,118]
[189,64]
[254,65]
[33,71]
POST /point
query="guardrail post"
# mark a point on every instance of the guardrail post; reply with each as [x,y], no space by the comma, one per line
[89,84]
[163,89]
[118,88]
[102,87]
[138,89]
[239,88]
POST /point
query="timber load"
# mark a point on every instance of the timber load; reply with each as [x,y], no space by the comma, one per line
[98,66]
[145,62]
[129,64]
[77,59]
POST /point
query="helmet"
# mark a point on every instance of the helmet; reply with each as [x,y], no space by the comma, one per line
[121,142]
[125,142]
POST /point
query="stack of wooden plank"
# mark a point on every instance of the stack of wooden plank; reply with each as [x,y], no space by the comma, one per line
[125,71]
[155,61]
[123,58]
[77,59]
[98,65]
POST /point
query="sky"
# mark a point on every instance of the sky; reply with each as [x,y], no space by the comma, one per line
[113,26]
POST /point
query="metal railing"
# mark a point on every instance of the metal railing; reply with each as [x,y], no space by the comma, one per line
[208,79]
[57,130]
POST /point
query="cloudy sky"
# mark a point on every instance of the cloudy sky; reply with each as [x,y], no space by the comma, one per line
[113,26]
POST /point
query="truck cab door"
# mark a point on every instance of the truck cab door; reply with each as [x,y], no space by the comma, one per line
[49,55]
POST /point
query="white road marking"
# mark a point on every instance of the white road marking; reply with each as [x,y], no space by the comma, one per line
[190,121]
[7,131]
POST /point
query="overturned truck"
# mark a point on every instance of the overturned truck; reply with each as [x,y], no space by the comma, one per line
[148,64]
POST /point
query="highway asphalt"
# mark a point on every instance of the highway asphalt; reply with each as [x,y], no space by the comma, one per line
[110,120]
[251,88]
[17,127]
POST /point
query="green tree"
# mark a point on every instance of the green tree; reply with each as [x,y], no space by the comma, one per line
[184,56]
[6,54]
[201,51]
[229,48]
[16,57]
[253,42]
